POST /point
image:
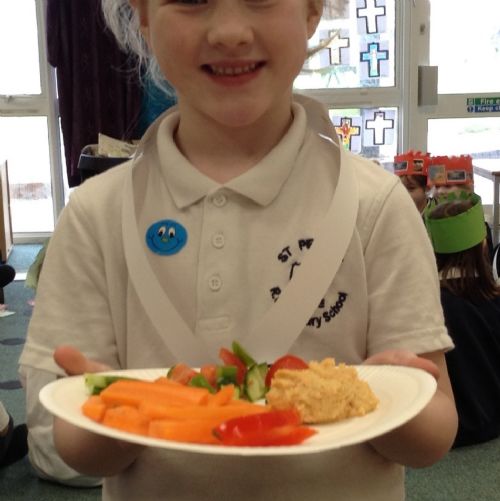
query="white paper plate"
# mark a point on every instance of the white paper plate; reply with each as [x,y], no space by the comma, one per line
[403,392]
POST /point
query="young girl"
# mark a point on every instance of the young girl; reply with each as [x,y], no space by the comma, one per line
[411,167]
[13,439]
[455,174]
[229,225]
[448,174]
[471,304]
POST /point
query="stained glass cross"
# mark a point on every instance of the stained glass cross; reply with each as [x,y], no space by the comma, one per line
[373,56]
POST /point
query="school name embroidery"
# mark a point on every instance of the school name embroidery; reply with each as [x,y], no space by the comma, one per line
[286,256]
[329,313]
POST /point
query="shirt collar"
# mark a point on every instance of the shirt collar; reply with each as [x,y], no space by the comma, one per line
[261,183]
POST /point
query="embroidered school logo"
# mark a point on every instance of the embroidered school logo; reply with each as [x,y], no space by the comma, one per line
[290,256]
[166,237]
[328,312]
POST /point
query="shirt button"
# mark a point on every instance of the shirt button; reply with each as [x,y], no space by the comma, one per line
[215,283]
[219,200]
[218,240]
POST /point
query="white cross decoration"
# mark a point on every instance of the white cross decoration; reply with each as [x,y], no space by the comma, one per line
[371,12]
[334,48]
[379,124]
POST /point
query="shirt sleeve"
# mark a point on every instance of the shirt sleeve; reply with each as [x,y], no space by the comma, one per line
[404,303]
[71,307]
[72,302]
[42,452]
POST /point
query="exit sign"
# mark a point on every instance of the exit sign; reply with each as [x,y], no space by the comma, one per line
[483,104]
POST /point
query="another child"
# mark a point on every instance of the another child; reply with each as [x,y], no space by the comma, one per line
[450,174]
[471,303]
[455,174]
[13,439]
[411,167]
[229,205]
[7,275]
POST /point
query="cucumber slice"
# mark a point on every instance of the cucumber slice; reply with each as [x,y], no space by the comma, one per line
[95,383]
[226,374]
[255,382]
[200,381]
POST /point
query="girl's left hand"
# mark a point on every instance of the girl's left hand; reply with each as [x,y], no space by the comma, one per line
[403,357]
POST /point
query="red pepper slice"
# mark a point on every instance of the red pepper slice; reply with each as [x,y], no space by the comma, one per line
[229,358]
[282,435]
[266,429]
[285,362]
[256,422]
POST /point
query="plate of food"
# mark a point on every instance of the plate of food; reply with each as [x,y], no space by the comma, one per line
[396,393]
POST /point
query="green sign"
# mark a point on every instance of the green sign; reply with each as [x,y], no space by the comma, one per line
[483,104]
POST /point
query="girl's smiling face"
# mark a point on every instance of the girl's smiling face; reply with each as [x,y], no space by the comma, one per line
[232,61]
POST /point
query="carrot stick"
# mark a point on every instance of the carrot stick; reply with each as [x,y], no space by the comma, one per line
[165,380]
[94,408]
[126,418]
[193,431]
[134,392]
[154,410]
[222,397]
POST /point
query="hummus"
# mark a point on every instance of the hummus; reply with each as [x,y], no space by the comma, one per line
[323,393]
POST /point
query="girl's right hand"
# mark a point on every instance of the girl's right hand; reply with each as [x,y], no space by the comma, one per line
[78,447]
[75,363]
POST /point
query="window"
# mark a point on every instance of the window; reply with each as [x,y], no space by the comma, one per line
[466,119]
[358,48]
[470,60]
[353,71]
[19,50]
[28,124]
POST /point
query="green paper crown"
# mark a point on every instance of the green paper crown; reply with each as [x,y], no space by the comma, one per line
[456,233]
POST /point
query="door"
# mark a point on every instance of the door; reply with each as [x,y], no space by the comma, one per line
[29,129]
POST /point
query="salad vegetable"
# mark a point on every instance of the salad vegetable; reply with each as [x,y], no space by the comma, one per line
[95,383]
[280,427]
[251,379]
[211,406]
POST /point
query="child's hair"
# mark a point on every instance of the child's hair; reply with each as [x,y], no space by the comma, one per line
[475,281]
[124,23]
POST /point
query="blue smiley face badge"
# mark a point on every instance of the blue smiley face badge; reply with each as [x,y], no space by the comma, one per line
[166,237]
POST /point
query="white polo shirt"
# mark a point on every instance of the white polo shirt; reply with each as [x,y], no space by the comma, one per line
[243,242]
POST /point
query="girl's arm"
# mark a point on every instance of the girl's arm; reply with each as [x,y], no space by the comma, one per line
[87,452]
[92,454]
[426,438]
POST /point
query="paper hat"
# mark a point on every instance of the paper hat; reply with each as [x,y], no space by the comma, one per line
[456,233]
[450,171]
[411,163]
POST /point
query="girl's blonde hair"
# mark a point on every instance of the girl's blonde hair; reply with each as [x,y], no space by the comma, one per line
[123,21]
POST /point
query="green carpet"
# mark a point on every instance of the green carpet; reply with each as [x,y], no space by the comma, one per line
[467,474]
